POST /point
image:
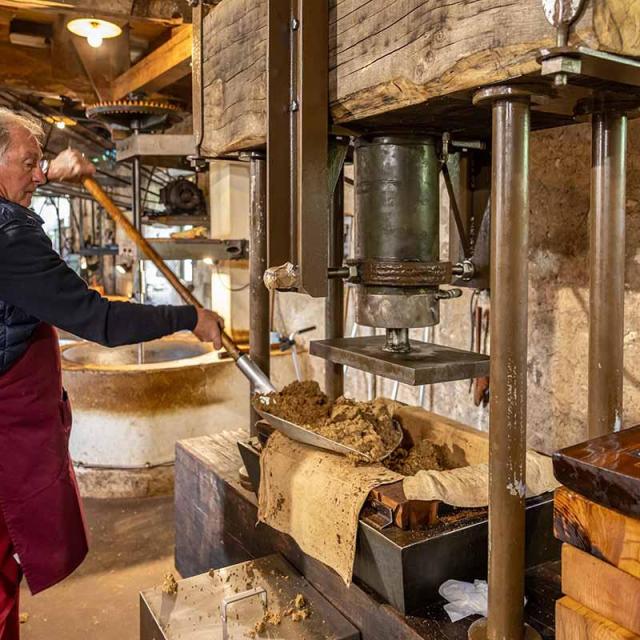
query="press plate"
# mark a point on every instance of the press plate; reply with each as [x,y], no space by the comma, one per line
[426,363]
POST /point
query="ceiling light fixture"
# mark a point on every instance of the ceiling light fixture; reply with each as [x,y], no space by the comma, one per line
[94,30]
[60,121]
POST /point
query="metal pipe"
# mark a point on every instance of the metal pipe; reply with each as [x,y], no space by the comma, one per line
[372,379]
[334,305]
[508,409]
[259,315]
[606,258]
[136,211]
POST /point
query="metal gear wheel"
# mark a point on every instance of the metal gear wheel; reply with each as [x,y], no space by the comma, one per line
[141,115]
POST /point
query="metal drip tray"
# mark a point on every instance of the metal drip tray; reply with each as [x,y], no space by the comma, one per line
[425,364]
[227,603]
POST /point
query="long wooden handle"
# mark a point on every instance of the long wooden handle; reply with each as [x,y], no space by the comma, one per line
[150,253]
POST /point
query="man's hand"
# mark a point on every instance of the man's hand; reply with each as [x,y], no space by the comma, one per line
[70,166]
[209,327]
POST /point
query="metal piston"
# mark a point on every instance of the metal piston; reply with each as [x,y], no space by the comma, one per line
[397,238]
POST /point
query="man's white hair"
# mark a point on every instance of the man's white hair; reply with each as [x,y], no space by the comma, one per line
[10,120]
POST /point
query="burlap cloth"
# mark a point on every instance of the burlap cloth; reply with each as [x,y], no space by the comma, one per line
[469,486]
[315,497]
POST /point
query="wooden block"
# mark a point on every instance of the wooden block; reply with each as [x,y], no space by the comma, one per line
[407,514]
[604,533]
[605,470]
[576,622]
[165,65]
[601,587]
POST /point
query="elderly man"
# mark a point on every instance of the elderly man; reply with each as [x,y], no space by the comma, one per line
[42,532]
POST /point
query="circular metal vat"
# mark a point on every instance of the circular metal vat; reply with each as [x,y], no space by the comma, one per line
[128,414]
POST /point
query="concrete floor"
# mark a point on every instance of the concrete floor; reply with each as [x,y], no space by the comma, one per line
[131,550]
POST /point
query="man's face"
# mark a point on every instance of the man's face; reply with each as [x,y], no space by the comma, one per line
[20,171]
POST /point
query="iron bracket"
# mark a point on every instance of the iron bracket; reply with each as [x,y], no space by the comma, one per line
[592,69]
[197,160]
[297,140]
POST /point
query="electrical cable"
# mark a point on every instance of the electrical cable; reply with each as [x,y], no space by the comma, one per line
[228,288]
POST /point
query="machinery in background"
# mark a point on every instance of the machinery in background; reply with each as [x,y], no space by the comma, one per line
[182,197]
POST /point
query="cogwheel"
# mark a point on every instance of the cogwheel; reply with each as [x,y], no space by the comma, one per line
[143,115]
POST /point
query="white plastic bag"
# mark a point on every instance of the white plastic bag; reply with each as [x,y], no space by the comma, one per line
[464,599]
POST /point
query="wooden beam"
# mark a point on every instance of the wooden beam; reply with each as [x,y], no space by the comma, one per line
[168,12]
[575,622]
[602,532]
[608,591]
[385,56]
[165,65]
[36,71]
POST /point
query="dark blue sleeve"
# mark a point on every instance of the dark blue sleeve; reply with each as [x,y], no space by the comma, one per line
[34,278]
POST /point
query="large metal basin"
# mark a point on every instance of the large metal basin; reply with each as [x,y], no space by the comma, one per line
[129,414]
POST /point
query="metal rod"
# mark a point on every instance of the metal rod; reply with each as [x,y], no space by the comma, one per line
[136,209]
[606,257]
[372,379]
[397,341]
[258,293]
[334,305]
[508,408]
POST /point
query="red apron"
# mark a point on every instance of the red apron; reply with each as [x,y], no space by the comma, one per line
[39,496]
[9,587]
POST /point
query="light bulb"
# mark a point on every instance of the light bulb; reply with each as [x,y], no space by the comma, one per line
[208,261]
[60,124]
[95,40]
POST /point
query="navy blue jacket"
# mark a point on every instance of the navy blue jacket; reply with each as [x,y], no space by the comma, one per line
[37,285]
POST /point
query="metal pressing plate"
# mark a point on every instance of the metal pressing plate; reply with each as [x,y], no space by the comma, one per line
[195,611]
[424,364]
[306,436]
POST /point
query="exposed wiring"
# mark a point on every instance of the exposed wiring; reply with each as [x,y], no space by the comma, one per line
[225,285]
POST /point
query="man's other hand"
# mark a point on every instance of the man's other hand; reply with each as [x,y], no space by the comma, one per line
[209,327]
[70,166]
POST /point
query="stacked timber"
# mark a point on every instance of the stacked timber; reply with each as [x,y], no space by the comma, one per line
[597,517]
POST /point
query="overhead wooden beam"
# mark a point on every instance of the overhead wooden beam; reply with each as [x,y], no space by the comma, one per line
[384,56]
[169,12]
[36,71]
[165,65]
